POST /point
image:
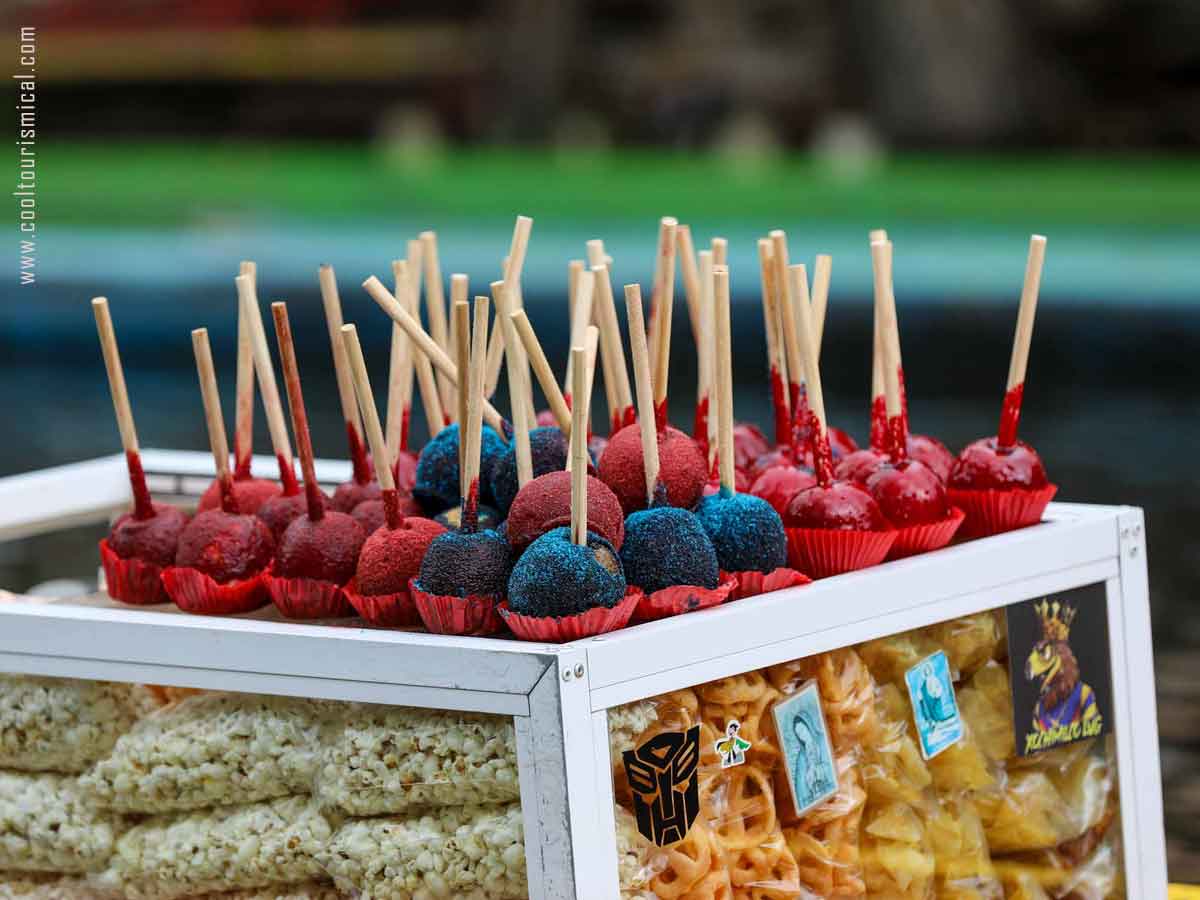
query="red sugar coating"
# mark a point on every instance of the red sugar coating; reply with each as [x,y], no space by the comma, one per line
[909,493]
[860,465]
[545,419]
[390,557]
[683,470]
[404,470]
[749,443]
[349,495]
[325,549]
[153,540]
[779,484]
[280,511]
[932,453]
[225,546]
[248,493]
[370,514]
[840,506]
[545,503]
[985,465]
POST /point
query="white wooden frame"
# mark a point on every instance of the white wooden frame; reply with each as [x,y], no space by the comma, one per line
[559,695]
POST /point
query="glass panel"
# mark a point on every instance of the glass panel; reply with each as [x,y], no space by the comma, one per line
[154,793]
[886,770]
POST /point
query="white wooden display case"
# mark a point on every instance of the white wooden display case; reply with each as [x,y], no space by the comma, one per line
[559,695]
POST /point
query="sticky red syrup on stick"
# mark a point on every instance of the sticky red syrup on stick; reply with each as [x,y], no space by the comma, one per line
[783,425]
[143,507]
[358,455]
[1010,416]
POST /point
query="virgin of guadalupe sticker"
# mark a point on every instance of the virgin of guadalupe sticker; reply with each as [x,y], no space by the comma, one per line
[935,710]
[732,748]
[663,777]
[1060,679]
[807,752]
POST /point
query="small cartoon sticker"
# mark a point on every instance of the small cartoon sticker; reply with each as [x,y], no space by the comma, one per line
[1061,693]
[732,748]
[807,752]
[935,710]
[664,778]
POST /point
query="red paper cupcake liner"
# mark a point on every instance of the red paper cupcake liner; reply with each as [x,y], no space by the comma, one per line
[132,580]
[442,614]
[682,598]
[922,538]
[558,630]
[752,583]
[385,610]
[823,552]
[195,592]
[992,511]
[307,598]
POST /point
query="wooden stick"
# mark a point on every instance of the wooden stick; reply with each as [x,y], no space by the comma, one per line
[512,284]
[435,306]
[708,339]
[479,347]
[462,355]
[692,293]
[645,392]
[370,415]
[213,418]
[787,308]
[400,375]
[291,379]
[581,316]
[437,356]
[1025,314]
[779,349]
[345,380]
[889,340]
[431,399]
[591,346]
[243,422]
[720,251]
[596,254]
[143,507]
[459,293]
[816,399]
[574,270]
[607,360]
[820,296]
[264,369]
[543,372]
[578,458]
[663,305]
[878,234]
[416,265]
[522,415]
[610,333]
[724,364]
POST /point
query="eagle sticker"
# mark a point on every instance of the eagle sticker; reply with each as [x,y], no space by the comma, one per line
[1060,678]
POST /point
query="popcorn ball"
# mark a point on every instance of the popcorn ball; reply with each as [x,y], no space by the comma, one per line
[47,825]
[64,725]
[232,847]
[391,759]
[212,750]
[465,853]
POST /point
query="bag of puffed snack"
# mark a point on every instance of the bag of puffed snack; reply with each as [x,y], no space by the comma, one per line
[63,724]
[223,849]
[212,750]
[381,760]
[462,852]
[45,886]
[48,825]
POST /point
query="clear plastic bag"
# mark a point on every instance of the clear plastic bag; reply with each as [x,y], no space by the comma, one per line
[382,760]
[466,853]
[47,824]
[968,641]
[213,750]
[63,724]
[962,859]
[1050,875]
[228,848]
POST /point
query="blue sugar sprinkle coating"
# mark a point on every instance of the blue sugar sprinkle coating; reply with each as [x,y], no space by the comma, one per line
[665,546]
[555,577]
[436,486]
[460,564]
[548,449]
[745,530]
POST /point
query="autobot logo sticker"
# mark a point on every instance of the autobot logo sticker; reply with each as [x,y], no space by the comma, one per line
[663,776]
[1060,678]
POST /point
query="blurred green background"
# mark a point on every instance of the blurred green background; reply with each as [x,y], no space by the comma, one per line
[175,139]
